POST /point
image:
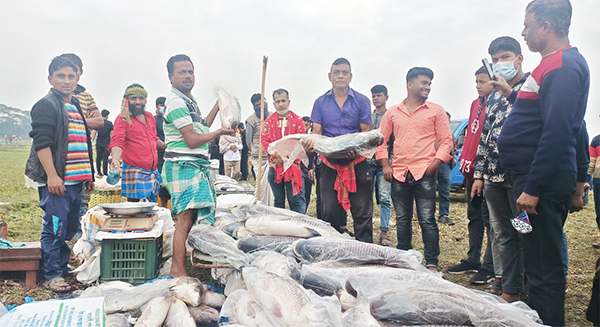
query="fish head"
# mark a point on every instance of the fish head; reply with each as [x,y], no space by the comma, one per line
[376,139]
[188,289]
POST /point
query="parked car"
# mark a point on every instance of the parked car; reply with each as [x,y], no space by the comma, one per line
[459,130]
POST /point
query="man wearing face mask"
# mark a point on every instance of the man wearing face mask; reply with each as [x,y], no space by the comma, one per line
[253,141]
[135,140]
[490,174]
[285,122]
[163,193]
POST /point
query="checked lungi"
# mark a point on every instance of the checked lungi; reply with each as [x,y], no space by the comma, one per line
[139,183]
[191,187]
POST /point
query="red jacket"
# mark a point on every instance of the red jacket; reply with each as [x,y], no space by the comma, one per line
[273,132]
[138,141]
[469,151]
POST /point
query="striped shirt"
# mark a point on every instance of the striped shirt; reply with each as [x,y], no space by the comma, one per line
[78,166]
[86,100]
[180,112]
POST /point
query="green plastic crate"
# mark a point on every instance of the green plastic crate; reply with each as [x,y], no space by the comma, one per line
[134,261]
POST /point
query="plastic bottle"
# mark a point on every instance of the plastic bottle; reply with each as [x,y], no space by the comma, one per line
[3,229]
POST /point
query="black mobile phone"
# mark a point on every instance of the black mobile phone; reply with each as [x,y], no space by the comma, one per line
[488,68]
[477,200]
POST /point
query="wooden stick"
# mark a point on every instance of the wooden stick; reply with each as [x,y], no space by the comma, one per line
[262,123]
[206,265]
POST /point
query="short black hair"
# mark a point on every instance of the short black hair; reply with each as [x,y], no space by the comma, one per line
[255,97]
[379,89]
[481,70]
[75,59]
[449,115]
[415,72]
[306,118]
[105,113]
[505,43]
[556,12]
[241,125]
[60,62]
[160,100]
[279,91]
[340,61]
[177,58]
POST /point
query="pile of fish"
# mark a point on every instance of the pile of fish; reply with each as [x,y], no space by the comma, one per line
[289,269]
[226,183]
[290,146]
[229,108]
[182,301]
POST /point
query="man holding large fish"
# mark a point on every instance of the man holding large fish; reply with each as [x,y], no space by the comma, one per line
[345,183]
[416,125]
[289,181]
[186,167]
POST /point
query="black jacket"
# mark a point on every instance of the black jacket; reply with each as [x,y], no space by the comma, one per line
[50,128]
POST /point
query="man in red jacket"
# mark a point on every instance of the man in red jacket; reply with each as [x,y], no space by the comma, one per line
[478,215]
[134,138]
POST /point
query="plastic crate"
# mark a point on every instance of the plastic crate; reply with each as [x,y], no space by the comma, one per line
[134,261]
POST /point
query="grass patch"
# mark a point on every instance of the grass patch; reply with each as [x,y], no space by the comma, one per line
[24,219]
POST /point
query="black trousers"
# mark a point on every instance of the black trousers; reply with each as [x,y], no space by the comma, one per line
[479,221]
[361,201]
[102,159]
[541,248]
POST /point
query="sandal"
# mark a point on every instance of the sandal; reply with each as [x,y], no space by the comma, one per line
[58,285]
[385,241]
[495,287]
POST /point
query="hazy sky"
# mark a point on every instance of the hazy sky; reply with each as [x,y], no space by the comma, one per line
[122,42]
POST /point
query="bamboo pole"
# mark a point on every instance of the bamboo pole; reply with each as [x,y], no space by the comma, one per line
[262,123]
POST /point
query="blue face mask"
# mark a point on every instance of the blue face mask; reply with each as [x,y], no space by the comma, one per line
[505,69]
[161,109]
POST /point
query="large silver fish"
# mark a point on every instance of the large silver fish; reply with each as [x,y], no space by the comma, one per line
[179,315]
[133,299]
[229,108]
[216,246]
[266,243]
[117,320]
[297,226]
[417,298]
[204,315]
[275,263]
[154,312]
[290,148]
[355,252]
[241,308]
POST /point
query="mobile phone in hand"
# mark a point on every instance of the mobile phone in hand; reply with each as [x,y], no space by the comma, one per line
[488,68]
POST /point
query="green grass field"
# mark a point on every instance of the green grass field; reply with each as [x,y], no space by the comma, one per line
[24,224]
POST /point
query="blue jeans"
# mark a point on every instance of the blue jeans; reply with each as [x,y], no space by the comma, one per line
[423,193]
[383,194]
[443,187]
[307,189]
[281,189]
[60,223]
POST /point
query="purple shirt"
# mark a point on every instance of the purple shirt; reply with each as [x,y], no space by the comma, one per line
[336,122]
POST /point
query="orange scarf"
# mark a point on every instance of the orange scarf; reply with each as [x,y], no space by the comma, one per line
[345,181]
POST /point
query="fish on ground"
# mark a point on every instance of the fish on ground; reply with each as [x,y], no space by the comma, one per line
[275,263]
[154,312]
[355,252]
[297,226]
[179,315]
[265,243]
[188,289]
[213,299]
[117,320]
[204,315]
[215,245]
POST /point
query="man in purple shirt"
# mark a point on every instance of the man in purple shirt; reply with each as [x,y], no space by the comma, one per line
[341,111]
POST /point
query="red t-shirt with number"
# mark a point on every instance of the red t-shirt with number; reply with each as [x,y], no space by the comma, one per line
[469,150]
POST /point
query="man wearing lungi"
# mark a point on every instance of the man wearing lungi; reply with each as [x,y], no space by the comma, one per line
[186,167]
[135,141]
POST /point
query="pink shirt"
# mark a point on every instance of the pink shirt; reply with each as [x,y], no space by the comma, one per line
[138,141]
[415,136]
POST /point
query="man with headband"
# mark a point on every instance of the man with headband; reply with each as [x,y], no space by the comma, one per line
[135,141]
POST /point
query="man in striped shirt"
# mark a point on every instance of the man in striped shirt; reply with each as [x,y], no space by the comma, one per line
[60,162]
[186,167]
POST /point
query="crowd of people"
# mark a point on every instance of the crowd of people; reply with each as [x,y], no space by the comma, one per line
[525,151]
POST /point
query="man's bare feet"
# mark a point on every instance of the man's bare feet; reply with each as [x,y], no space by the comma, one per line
[432,268]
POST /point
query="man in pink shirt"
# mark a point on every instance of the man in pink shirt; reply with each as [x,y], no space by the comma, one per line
[416,124]
[134,140]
